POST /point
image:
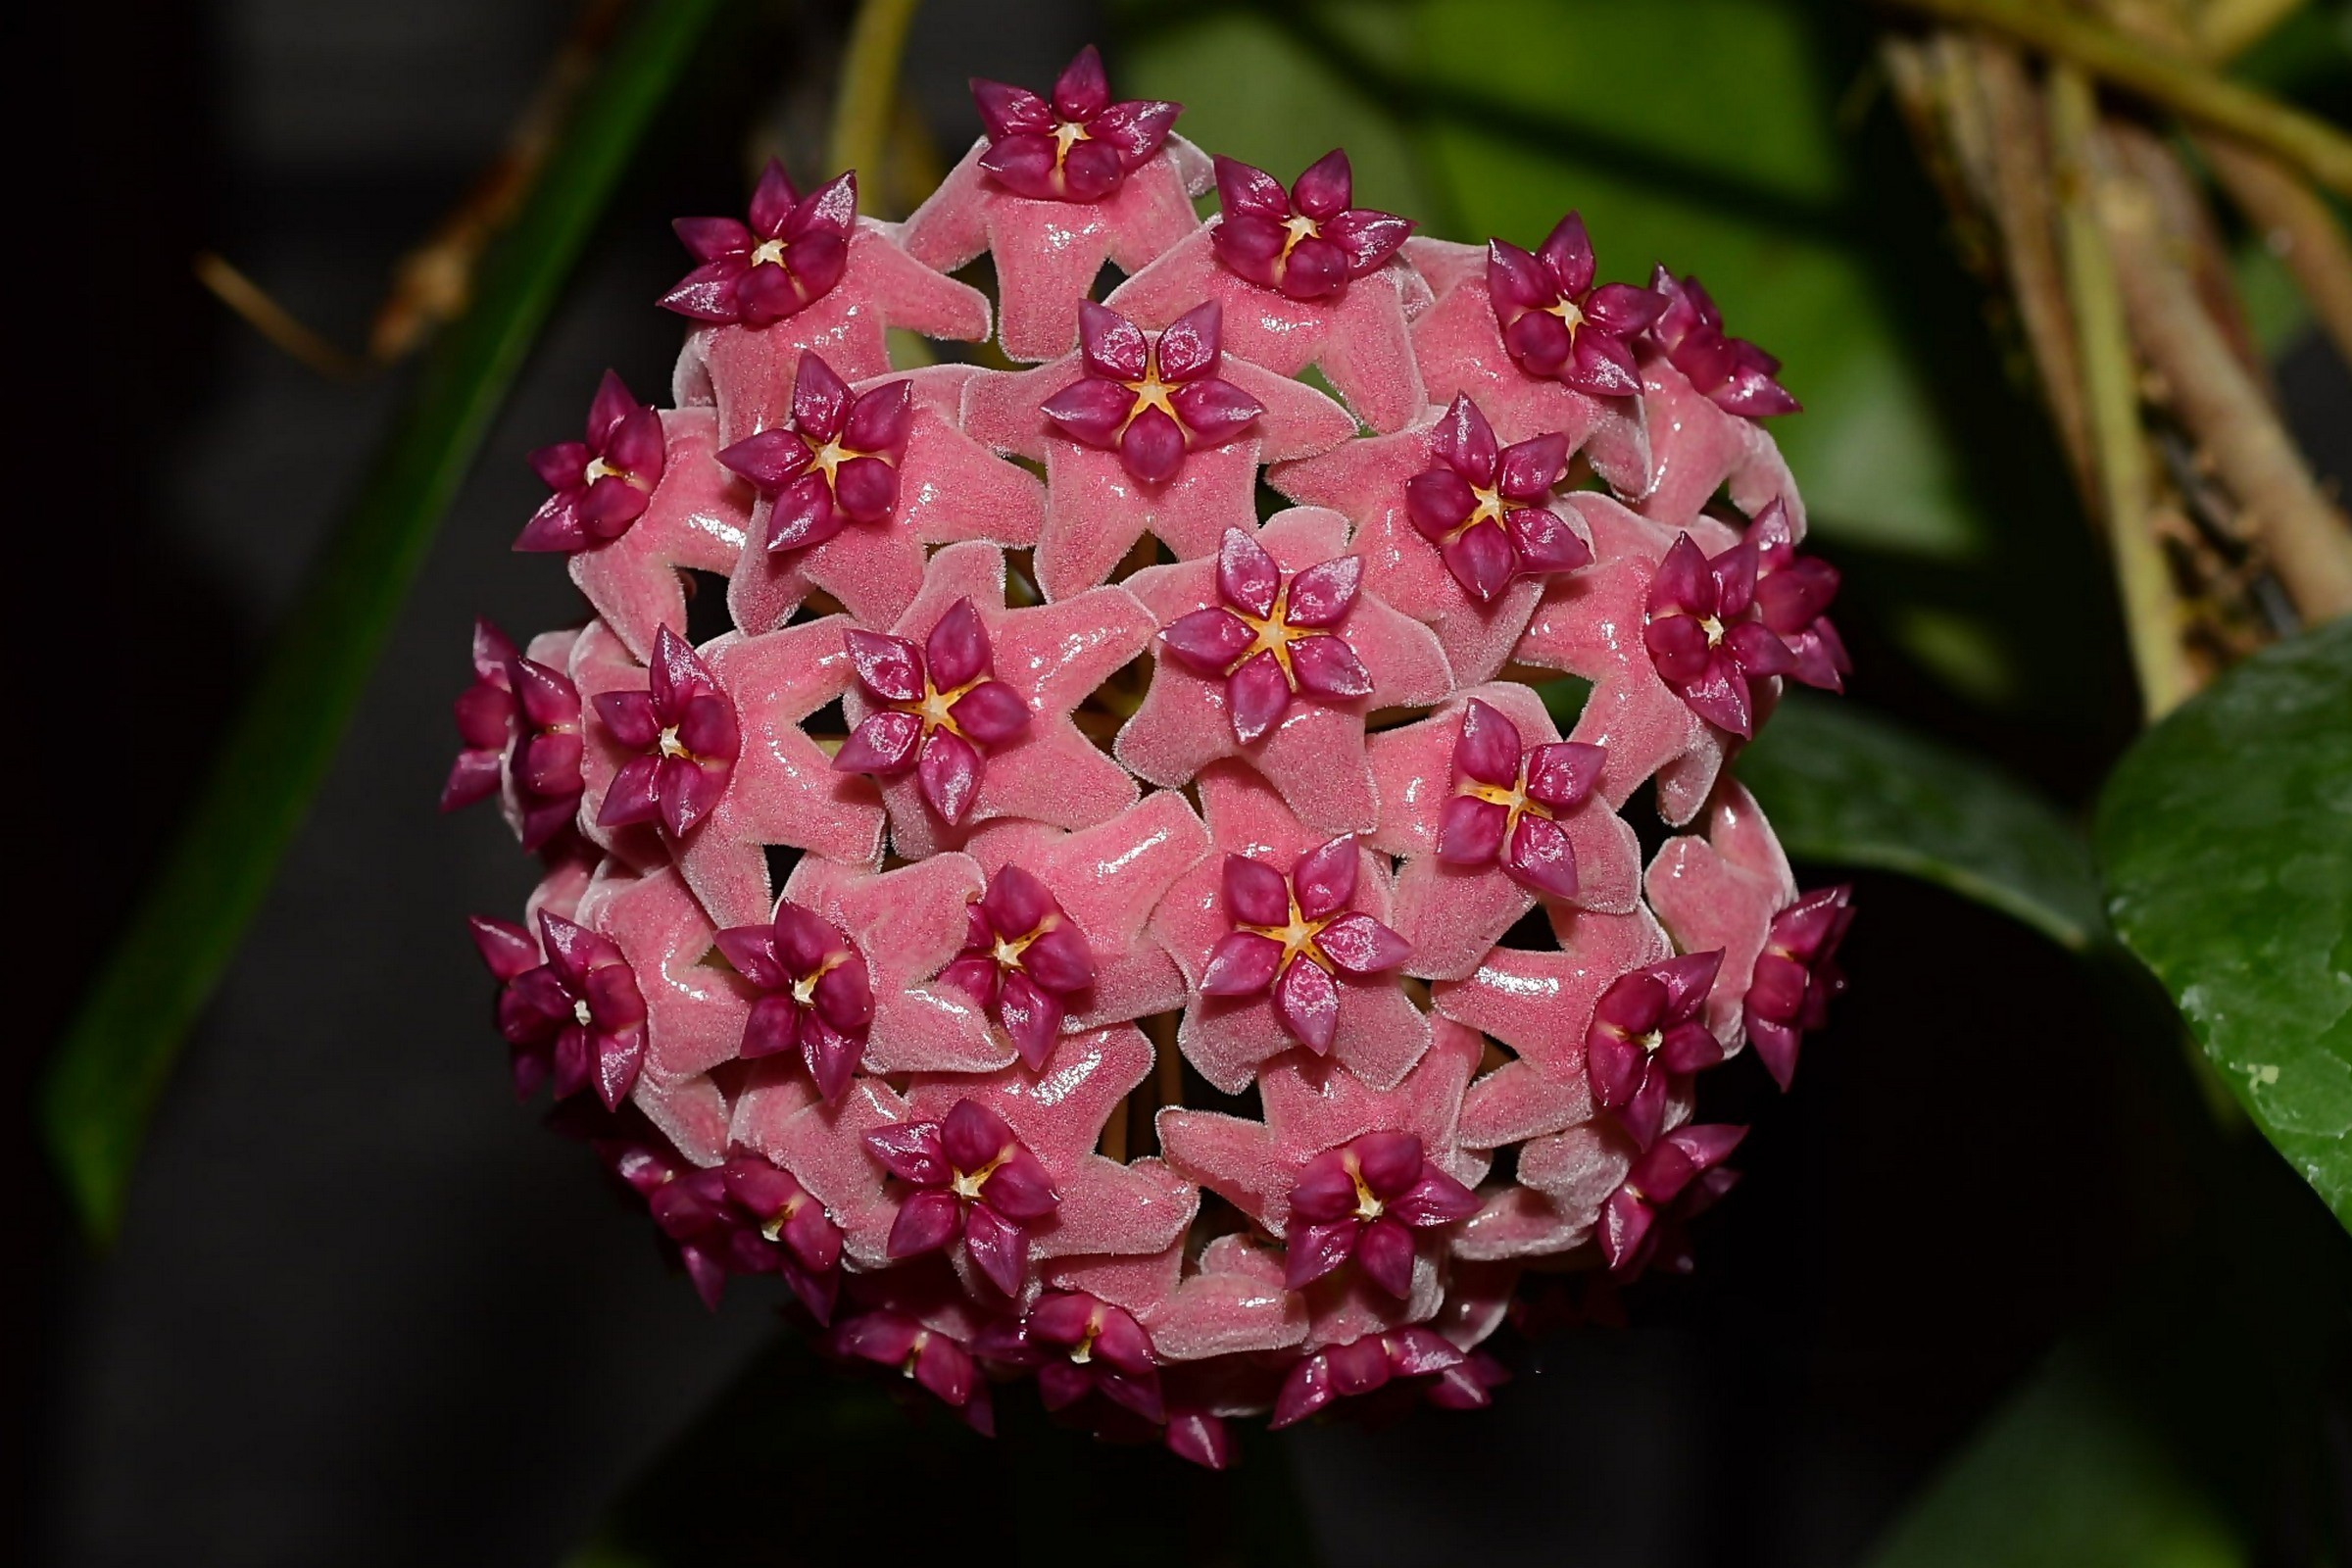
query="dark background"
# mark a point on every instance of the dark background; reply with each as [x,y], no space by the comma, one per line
[364,1310]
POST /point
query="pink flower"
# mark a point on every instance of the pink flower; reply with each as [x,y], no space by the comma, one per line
[1508,801]
[578,1015]
[1080,1345]
[1556,324]
[599,485]
[1293,934]
[1023,957]
[1080,147]
[1731,371]
[818,999]
[1484,507]
[790,254]
[1796,976]
[743,1217]
[943,709]
[684,726]
[486,715]
[1706,636]
[1309,243]
[1648,1030]
[1290,587]
[1274,635]
[926,1356]
[836,462]
[1791,593]
[1682,1166]
[1151,401]
[1359,1367]
[972,1181]
[1358,1201]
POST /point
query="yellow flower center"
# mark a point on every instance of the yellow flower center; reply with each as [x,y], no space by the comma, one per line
[1067,134]
[769,253]
[967,1184]
[1297,936]
[1512,798]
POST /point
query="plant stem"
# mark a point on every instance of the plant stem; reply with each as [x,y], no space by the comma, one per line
[869,90]
[2152,615]
[2310,143]
[2308,540]
[2228,28]
[118,1049]
[2297,224]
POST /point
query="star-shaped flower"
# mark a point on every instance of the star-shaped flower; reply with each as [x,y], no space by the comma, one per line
[973,1181]
[1556,323]
[1363,1201]
[868,552]
[1055,189]
[1719,893]
[1485,507]
[791,253]
[743,1217]
[1312,747]
[1591,624]
[1732,372]
[1313,1106]
[692,522]
[1677,1167]
[1096,510]
[485,714]
[1459,346]
[574,1014]
[1648,1036]
[1151,399]
[1791,593]
[1706,638]
[817,996]
[682,738]
[1796,977]
[1540,1004]
[1056,1113]
[1356,332]
[930,1356]
[785,791]
[601,485]
[1106,880]
[1360,1366]
[1022,960]
[1294,934]
[1491,811]
[1047,658]
[1080,1347]
[1697,450]
[938,709]
[1374,1030]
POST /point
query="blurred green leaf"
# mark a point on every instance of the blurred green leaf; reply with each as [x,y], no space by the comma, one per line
[118,1050]
[2065,1475]
[2225,839]
[1844,786]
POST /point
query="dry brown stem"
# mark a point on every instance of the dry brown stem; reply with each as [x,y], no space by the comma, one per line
[2297,224]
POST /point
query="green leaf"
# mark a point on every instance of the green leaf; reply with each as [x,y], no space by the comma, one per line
[118,1050]
[1844,786]
[2225,839]
[2069,1475]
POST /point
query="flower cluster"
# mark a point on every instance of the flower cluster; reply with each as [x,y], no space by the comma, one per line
[1044,793]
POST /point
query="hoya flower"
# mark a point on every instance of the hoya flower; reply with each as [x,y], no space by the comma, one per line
[817,999]
[1273,635]
[1291,586]
[577,1016]
[1650,1029]
[1508,801]
[1705,635]
[1359,1367]
[1079,1346]
[545,763]
[789,253]
[1555,322]
[1483,507]
[1308,243]
[1717,892]
[1151,399]
[1363,1201]
[693,522]
[1022,960]
[972,1180]
[926,1356]
[598,486]
[1293,934]
[1791,593]
[1796,977]
[748,1217]
[836,462]
[941,710]
[683,726]
[1735,373]
[486,715]
[1666,1170]
[1077,147]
